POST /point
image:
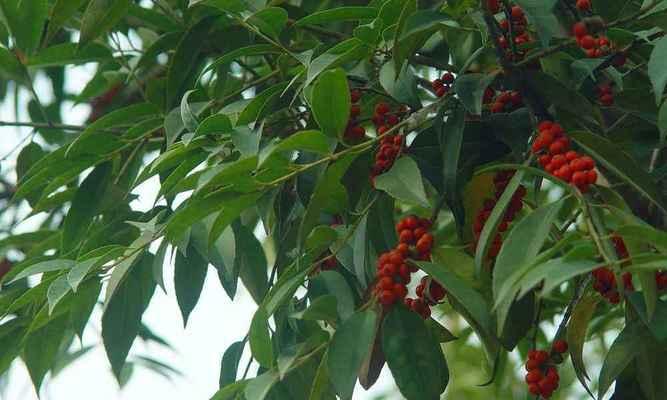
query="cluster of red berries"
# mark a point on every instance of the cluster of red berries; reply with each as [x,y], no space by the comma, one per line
[583,5]
[429,293]
[594,47]
[605,94]
[604,280]
[442,85]
[507,101]
[393,273]
[500,182]
[542,376]
[354,131]
[391,145]
[556,157]
[519,30]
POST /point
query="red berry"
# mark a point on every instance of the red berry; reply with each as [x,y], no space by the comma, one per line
[406,236]
[355,110]
[411,222]
[386,283]
[497,107]
[400,291]
[437,83]
[441,91]
[517,12]
[587,42]
[534,376]
[355,95]
[387,297]
[381,108]
[583,5]
[591,177]
[544,126]
[403,248]
[579,29]
[532,365]
[541,356]
[607,100]
[559,346]
[494,6]
[534,389]
[448,78]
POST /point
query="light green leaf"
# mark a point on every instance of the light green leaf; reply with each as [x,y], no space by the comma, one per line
[404,182]
[657,68]
[308,141]
[44,266]
[25,20]
[260,339]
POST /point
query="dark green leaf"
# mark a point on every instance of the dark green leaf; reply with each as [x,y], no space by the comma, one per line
[260,339]
[344,361]
[624,349]
[576,334]
[402,86]
[250,262]
[331,102]
[470,88]
[122,316]
[100,16]
[189,276]
[350,13]
[540,14]
[41,349]
[657,68]
[308,141]
[25,20]
[451,143]
[230,363]
[413,355]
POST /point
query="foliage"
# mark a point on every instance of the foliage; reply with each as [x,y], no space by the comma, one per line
[507,154]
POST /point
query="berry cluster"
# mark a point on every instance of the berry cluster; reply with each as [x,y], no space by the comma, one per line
[583,5]
[391,145]
[594,47]
[429,292]
[506,101]
[542,376]
[605,94]
[441,86]
[519,30]
[516,204]
[556,157]
[604,280]
[354,131]
[393,273]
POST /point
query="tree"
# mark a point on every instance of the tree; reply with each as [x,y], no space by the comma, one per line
[497,164]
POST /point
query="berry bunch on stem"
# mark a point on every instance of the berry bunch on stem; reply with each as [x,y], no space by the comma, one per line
[506,101]
[429,293]
[354,132]
[391,145]
[553,147]
[519,31]
[542,376]
[604,279]
[393,270]
[594,47]
[500,181]
[442,85]
[605,94]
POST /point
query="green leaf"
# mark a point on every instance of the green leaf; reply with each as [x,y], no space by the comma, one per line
[323,308]
[329,194]
[350,13]
[334,283]
[100,16]
[44,266]
[261,104]
[41,349]
[471,87]
[331,102]
[417,29]
[189,276]
[260,339]
[82,306]
[540,14]
[404,182]
[25,20]
[158,264]
[68,53]
[520,247]
[361,253]
[250,262]
[308,141]
[85,205]
[61,12]
[246,140]
[122,317]
[552,90]
[190,121]
[248,51]
[413,355]
[576,334]
[216,124]
[402,86]
[451,143]
[465,295]
[348,50]
[11,67]
[259,387]
[657,68]
[230,363]
[231,6]
[80,270]
[321,388]
[57,290]
[270,20]
[344,360]
[624,349]
[620,163]
[491,225]
[184,60]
